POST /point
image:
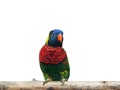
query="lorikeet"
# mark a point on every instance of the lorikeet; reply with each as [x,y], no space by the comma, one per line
[53,58]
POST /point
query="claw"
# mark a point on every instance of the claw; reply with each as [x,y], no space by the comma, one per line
[63,81]
[46,81]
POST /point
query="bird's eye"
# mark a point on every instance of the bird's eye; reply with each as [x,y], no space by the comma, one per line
[53,34]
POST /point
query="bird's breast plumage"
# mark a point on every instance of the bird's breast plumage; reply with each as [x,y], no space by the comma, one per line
[51,55]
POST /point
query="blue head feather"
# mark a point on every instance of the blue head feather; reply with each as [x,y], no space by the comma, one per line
[53,38]
[57,31]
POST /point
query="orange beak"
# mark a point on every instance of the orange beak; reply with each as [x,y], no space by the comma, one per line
[59,37]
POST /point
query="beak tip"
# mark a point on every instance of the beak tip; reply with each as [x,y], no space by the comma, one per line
[60,37]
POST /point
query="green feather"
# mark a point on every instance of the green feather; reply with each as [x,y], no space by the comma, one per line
[56,72]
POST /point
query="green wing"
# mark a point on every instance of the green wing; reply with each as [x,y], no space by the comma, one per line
[65,73]
[56,72]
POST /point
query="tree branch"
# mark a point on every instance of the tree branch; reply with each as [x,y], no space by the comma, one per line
[70,85]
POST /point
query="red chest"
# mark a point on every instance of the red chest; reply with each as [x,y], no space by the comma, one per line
[51,55]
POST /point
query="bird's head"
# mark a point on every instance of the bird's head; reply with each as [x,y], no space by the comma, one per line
[55,38]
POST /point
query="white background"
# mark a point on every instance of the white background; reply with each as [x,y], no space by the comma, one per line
[91,37]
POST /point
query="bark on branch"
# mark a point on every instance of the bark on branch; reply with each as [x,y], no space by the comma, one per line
[70,85]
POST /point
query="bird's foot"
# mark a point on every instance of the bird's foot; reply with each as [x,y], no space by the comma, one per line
[46,81]
[63,81]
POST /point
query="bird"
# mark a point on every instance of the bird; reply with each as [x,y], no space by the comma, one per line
[53,58]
